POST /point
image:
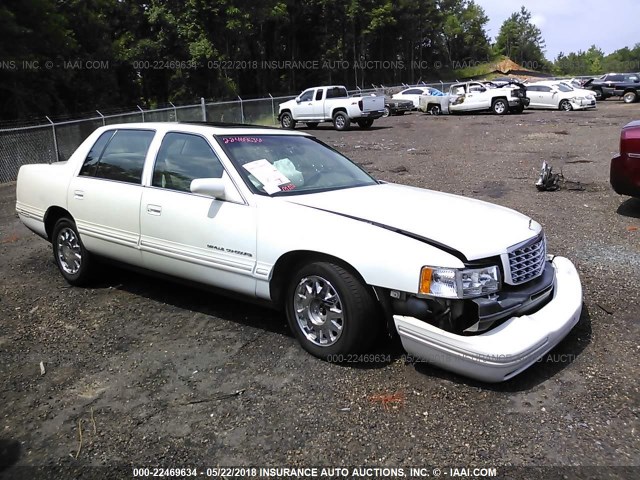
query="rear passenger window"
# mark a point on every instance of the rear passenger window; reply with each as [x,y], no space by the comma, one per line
[183,157]
[319,94]
[118,155]
[91,162]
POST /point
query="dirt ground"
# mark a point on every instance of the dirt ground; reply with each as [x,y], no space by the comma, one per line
[150,373]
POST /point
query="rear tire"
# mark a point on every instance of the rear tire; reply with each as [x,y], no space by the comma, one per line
[330,311]
[287,122]
[630,97]
[500,106]
[435,110]
[73,260]
[341,121]
[387,112]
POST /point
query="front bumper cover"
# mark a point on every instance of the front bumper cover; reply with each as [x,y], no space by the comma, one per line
[500,353]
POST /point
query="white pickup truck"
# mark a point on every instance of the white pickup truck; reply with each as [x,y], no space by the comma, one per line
[477,96]
[330,104]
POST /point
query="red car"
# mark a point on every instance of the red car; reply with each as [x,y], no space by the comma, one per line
[625,167]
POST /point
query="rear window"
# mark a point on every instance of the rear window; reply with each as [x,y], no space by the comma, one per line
[118,155]
[336,92]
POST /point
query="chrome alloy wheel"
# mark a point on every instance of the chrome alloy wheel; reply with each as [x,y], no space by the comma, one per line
[318,310]
[69,251]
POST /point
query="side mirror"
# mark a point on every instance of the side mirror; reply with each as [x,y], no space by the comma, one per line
[298,100]
[211,187]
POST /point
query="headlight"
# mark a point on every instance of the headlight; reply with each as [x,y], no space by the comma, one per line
[459,283]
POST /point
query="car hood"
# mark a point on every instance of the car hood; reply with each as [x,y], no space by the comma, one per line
[474,228]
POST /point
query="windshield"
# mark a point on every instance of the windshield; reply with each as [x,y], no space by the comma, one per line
[291,164]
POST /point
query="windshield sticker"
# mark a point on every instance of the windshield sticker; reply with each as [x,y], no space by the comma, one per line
[272,179]
[242,140]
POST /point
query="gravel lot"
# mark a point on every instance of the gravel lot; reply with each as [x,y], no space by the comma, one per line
[156,374]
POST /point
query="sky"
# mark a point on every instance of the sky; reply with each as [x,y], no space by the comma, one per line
[572,25]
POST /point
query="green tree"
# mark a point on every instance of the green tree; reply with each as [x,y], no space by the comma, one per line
[520,40]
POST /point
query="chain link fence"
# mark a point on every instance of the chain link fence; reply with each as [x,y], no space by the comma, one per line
[56,141]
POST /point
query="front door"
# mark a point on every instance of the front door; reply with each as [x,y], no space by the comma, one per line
[199,238]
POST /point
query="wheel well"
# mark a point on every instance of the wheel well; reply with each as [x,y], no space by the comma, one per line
[631,90]
[51,217]
[499,98]
[339,109]
[284,111]
[291,261]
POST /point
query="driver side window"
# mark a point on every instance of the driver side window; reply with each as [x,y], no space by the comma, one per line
[307,96]
[183,157]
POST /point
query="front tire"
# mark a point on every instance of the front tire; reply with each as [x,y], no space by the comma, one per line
[72,259]
[330,311]
[341,121]
[287,122]
[435,110]
[387,112]
[500,106]
[565,105]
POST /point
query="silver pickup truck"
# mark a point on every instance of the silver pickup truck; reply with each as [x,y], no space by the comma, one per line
[477,97]
[330,104]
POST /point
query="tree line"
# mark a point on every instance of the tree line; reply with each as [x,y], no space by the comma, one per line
[63,57]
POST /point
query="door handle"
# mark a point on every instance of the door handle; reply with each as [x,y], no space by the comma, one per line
[154,209]
[78,194]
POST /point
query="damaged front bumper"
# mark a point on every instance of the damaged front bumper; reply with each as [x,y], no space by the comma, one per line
[502,352]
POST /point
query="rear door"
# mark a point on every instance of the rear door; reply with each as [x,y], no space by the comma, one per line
[104,197]
[193,236]
[610,81]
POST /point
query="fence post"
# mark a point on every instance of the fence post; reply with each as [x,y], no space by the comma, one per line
[141,111]
[55,140]
[103,124]
[273,110]
[204,109]
[241,110]
[442,86]
[175,111]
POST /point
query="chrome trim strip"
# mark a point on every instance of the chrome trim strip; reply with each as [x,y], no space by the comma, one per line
[203,260]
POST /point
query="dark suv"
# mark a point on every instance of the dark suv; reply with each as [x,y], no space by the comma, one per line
[625,85]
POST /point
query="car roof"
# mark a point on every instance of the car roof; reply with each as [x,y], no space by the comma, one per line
[205,128]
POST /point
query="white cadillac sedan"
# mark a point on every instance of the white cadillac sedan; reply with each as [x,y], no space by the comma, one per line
[279,216]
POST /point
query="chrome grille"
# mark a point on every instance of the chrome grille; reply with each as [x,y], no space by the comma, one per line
[527,262]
